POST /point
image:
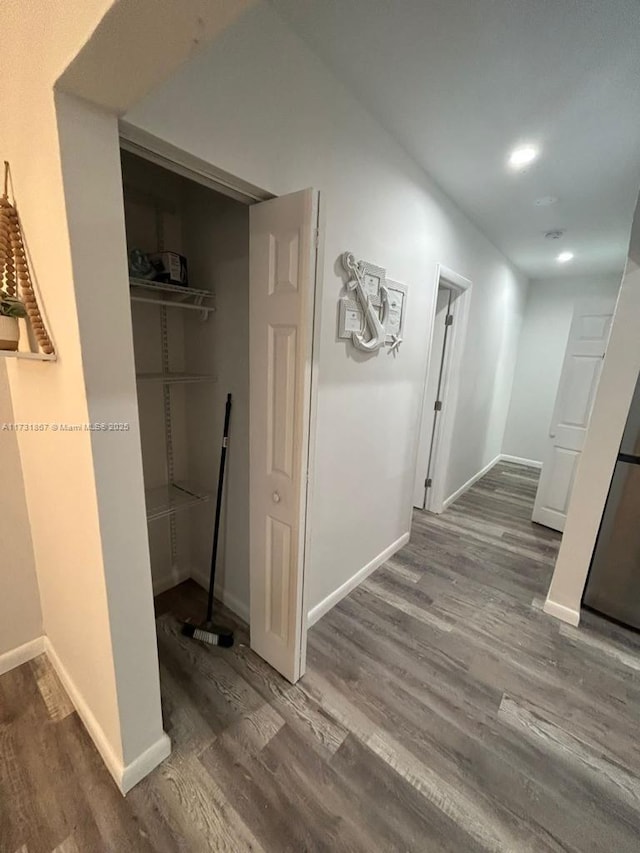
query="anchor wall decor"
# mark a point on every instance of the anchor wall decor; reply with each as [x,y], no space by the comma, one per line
[372,312]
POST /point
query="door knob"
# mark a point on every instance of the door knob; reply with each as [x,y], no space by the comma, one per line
[276,498]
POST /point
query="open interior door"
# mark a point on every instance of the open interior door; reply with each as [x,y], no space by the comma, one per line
[433,399]
[281,297]
[576,391]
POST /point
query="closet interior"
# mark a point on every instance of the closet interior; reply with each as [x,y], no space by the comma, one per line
[191,347]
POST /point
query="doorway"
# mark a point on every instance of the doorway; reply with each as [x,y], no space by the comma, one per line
[241,321]
[448,332]
[586,347]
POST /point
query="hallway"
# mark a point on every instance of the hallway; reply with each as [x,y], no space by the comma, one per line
[441,710]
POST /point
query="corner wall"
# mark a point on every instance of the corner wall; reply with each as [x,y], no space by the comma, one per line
[90,160]
[618,378]
[276,117]
[83,496]
[57,466]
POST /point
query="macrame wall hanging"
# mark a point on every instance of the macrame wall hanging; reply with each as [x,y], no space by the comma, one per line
[15,278]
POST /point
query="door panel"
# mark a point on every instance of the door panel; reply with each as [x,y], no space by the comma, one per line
[278,570]
[594,327]
[576,392]
[282,270]
[562,473]
[575,409]
[282,375]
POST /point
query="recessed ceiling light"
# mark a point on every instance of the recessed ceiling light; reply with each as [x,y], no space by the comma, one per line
[564,257]
[522,156]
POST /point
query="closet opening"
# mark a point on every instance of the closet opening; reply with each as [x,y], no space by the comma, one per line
[448,333]
[222,295]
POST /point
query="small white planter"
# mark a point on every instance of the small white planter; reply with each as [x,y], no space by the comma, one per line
[9,333]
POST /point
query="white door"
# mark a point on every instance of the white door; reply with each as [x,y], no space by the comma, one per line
[282,283]
[578,382]
[433,398]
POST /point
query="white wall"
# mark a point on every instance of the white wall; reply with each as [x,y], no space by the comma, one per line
[260,105]
[83,490]
[620,370]
[120,569]
[545,331]
[217,247]
[84,497]
[20,612]
[57,467]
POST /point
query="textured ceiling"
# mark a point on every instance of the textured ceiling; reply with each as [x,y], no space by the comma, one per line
[461,82]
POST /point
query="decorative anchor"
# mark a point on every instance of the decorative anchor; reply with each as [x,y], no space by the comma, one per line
[373,322]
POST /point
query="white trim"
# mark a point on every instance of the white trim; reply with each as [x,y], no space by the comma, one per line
[114,764]
[22,654]
[561,612]
[520,460]
[176,160]
[147,761]
[337,595]
[459,282]
[451,382]
[232,602]
[125,776]
[501,457]
[470,482]
[313,416]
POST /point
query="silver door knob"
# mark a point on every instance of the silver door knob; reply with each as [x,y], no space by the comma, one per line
[276,498]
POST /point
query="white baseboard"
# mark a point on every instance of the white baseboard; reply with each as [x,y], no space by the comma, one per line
[331,600]
[22,654]
[114,764]
[520,460]
[141,766]
[235,605]
[560,611]
[125,776]
[448,501]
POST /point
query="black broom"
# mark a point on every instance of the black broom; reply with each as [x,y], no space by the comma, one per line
[208,632]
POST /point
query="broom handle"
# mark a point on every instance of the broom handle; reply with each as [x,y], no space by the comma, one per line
[216,529]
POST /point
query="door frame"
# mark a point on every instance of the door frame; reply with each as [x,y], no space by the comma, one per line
[164,154]
[461,286]
[174,159]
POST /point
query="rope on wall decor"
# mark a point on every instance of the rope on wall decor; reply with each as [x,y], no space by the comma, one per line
[14,268]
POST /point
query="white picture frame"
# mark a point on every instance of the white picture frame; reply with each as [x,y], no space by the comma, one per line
[374,279]
[351,318]
[397,294]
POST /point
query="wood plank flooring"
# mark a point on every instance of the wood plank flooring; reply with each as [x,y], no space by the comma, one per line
[442,710]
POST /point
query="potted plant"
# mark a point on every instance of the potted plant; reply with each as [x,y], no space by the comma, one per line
[11,309]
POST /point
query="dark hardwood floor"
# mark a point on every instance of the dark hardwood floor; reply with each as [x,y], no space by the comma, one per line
[442,710]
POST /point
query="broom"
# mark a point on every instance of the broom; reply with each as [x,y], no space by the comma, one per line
[208,632]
